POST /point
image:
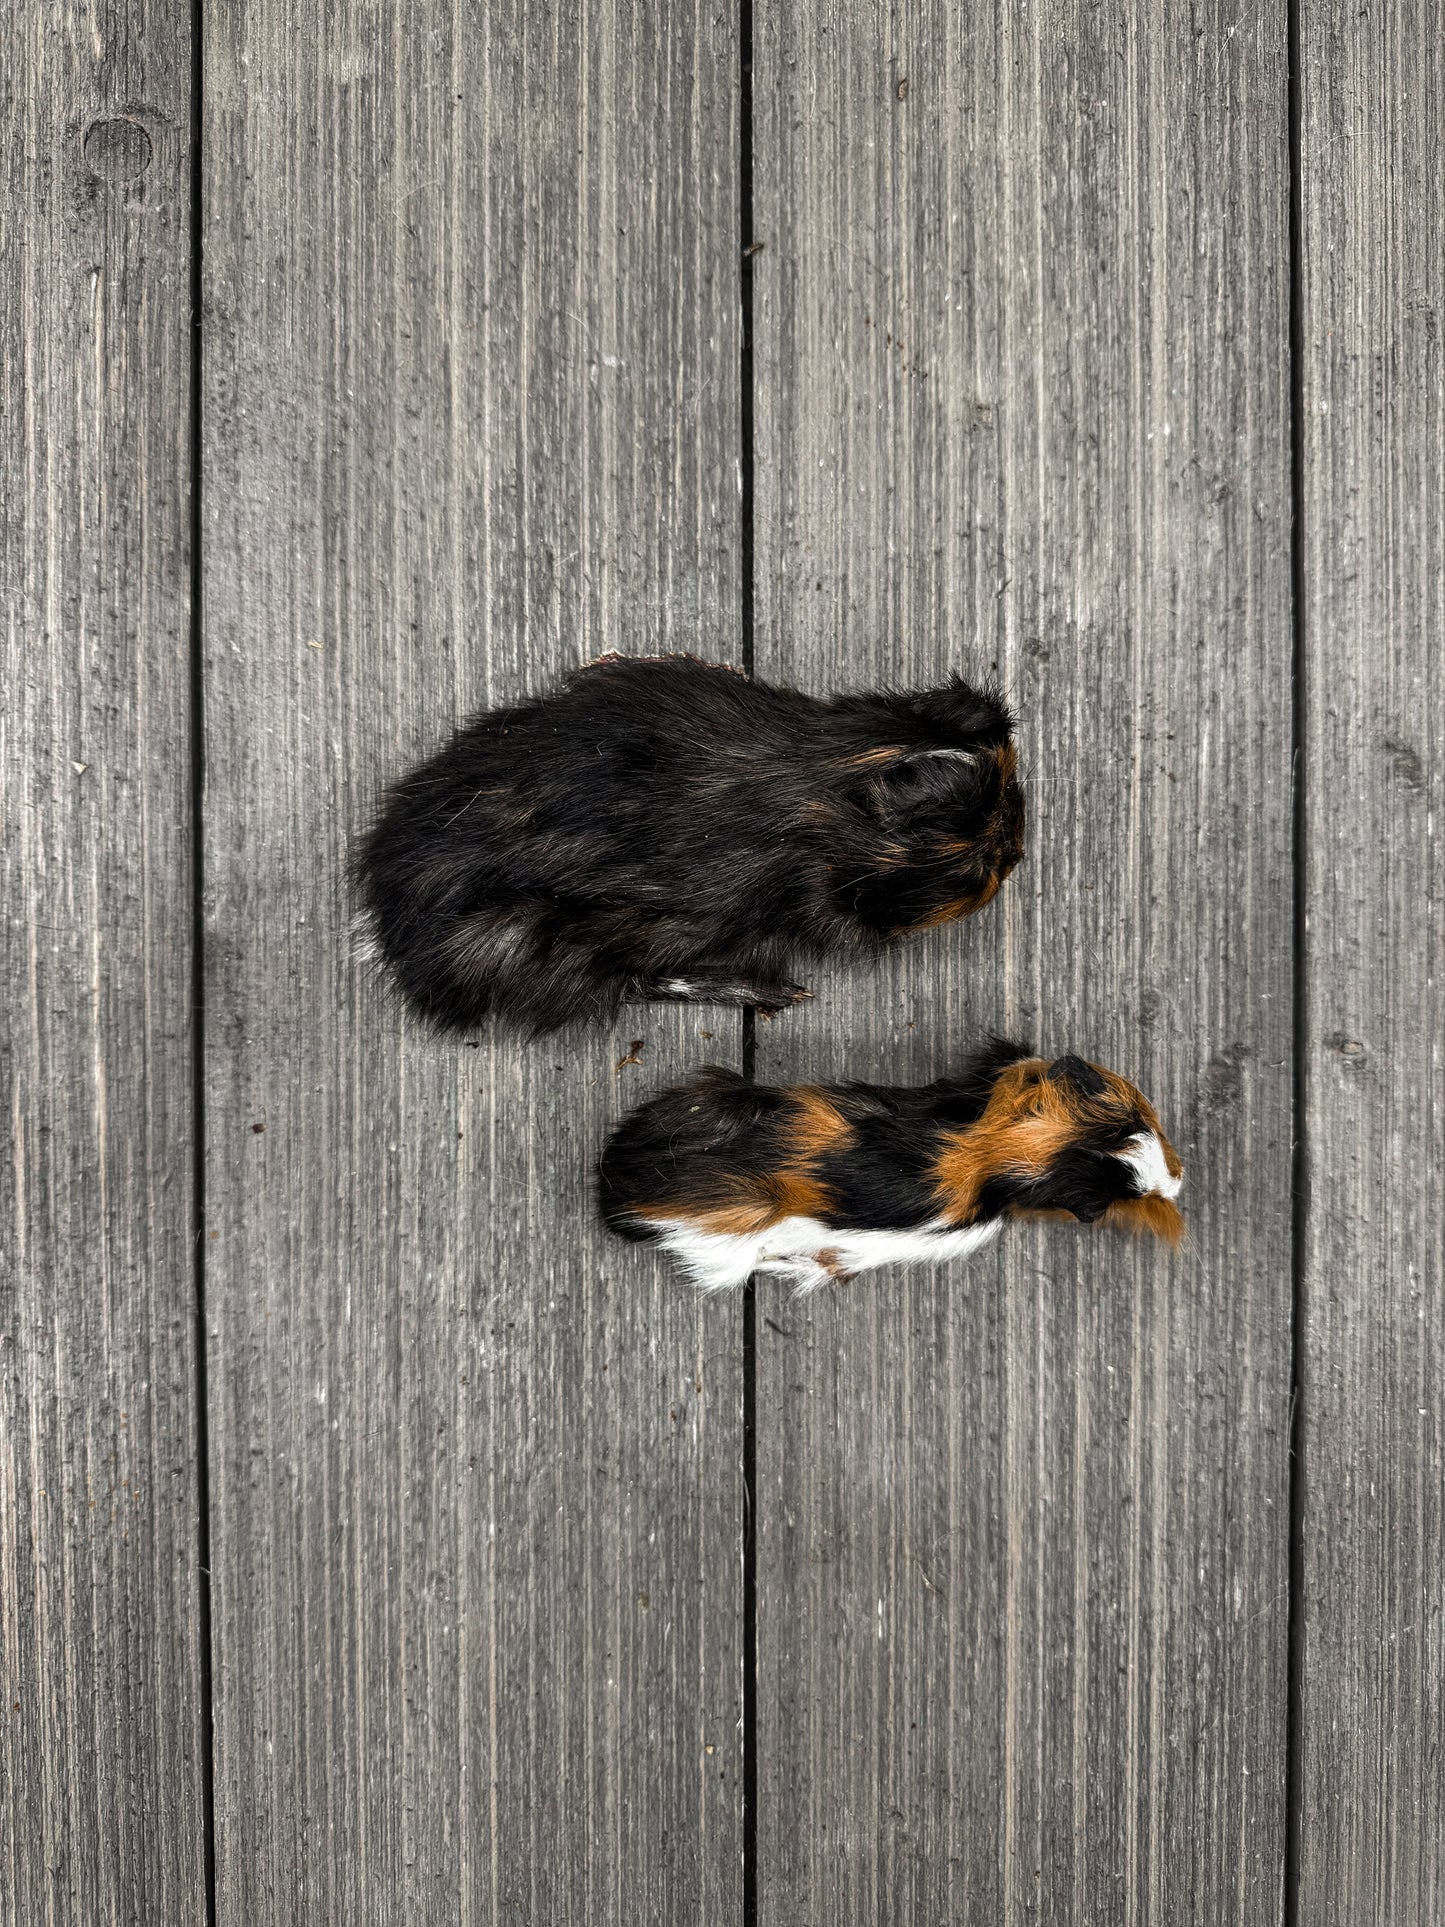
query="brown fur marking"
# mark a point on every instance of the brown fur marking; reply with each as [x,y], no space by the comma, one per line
[971,1156]
[1159,1215]
[876,758]
[955,908]
[792,1191]
[1027,1123]
[1121,1088]
[738,1218]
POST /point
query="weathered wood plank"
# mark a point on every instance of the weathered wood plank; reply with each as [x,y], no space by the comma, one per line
[1372,1840]
[470,406]
[1022,403]
[100,1744]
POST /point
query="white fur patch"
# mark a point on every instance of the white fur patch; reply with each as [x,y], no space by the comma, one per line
[716,990]
[692,992]
[718,1261]
[365,947]
[1144,1155]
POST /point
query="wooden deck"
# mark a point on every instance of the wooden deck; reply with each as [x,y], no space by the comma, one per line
[377,1543]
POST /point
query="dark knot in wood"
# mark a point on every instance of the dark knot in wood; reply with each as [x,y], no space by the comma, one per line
[117,150]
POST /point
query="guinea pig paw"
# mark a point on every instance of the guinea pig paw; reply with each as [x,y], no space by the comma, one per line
[774,1001]
[824,1268]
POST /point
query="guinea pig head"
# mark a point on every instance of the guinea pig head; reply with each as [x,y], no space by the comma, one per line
[1071,1138]
[934,814]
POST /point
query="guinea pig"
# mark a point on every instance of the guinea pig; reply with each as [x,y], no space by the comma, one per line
[824,1181]
[663,828]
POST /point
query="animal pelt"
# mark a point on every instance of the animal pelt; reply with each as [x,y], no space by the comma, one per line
[662,828]
[823,1181]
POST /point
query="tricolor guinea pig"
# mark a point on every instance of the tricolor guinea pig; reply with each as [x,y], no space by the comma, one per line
[665,828]
[824,1181]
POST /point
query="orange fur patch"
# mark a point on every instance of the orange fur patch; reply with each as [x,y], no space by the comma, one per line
[1134,1215]
[733,1219]
[1159,1215]
[794,1190]
[1025,1125]
[955,908]
[1126,1093]
[949,912]
[816,1126]
[1022,1126]
[796,1194]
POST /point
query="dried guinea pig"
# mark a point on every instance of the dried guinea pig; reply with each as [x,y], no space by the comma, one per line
[662,828]
[824,1181]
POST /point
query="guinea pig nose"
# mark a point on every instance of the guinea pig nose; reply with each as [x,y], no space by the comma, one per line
[1073,1070]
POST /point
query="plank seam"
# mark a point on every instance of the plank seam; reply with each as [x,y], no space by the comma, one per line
[198,1001]
[1299,1174]
[748,1064]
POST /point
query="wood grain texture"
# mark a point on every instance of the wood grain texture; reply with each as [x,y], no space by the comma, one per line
[100,1777]
[1022,349]
[470,416]
[1372,1841]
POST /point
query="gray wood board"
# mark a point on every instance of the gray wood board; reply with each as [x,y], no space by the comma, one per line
[470,404]
[100,1744]
[1372,1841]
[1022,405]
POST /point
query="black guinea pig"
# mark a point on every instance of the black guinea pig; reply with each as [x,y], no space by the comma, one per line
[665,828]
[824,1181]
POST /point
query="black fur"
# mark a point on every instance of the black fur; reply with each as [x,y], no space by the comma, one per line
[1083,1180]
[690,1143]
[664,828]
[1074,1070]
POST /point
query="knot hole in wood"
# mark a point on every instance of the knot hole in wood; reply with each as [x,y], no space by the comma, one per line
[118,149]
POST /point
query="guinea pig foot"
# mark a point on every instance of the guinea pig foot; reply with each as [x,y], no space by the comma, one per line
[719,987]
[809,1276]
[773,1002]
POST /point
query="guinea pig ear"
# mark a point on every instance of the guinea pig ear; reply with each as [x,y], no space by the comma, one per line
[1073,1070]
[963,1098]
[926,778]
[975,716]
[995,1056]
